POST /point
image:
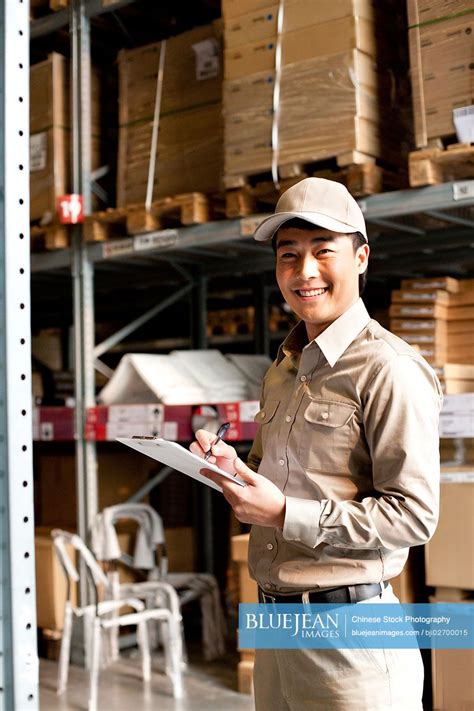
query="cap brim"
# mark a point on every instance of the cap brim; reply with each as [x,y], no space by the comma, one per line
[270,225]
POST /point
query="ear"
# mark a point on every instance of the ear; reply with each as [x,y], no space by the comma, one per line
[362,258]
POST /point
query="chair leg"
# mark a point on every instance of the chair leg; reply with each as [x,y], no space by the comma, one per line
[142,633]
[175,654]
[95,665]
[64,654]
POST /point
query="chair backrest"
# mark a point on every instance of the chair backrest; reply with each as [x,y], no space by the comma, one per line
[63,538]
[150,539]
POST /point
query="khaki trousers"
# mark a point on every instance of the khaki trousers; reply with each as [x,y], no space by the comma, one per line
[339,679]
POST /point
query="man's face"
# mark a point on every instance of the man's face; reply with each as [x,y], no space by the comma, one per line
[318,274]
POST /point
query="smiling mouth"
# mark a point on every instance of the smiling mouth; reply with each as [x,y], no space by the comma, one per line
[308,293]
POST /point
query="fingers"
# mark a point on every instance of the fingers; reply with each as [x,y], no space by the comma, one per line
[206,439]
[245,472]
[196,448]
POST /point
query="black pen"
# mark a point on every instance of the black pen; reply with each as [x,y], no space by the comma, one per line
[221,432]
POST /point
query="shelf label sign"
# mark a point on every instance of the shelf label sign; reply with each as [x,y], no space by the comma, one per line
[70,209]
[117,247]
[165,238]
[463,190]
[38,152]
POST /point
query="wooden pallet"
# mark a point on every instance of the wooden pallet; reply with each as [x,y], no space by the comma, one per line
[39,8]
[49,237]
[434,165]
[185,209]
[258,193]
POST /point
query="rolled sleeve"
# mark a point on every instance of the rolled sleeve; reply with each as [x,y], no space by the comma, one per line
[302,521]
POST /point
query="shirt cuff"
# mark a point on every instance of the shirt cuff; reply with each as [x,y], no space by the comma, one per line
[302,521]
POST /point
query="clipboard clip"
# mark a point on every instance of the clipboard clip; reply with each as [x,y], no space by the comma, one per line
[144,437]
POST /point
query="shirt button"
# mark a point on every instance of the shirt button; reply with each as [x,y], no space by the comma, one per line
[325,415]
[288,418]
[281,462]
[269,546]
[303,378]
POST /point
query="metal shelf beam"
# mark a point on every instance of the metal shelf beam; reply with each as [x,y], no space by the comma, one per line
[58,20]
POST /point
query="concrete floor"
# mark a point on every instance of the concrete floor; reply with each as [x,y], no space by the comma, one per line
[207,686]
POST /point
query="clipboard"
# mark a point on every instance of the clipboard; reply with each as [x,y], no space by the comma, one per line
[177,457]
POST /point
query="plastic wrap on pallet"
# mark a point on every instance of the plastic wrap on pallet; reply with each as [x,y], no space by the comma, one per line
[329,106]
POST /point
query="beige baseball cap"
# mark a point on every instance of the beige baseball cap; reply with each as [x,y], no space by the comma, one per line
[324,203]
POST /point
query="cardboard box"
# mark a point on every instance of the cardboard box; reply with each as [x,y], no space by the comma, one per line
[433,310]
[445,328]
[50,132]
[239,552]
[185,83]
[311,42]
[449,555]
[51,588]
[456,387]
[409,586]
[190,138]
[453,681]
[119,476]
[420,11]
[255,26]
[190,151]
[262,23]
[233,8]
[326,109]
[440,60]
[436,296]
[321,11]
[431,283]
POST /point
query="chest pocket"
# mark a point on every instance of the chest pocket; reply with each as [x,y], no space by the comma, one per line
[266,418]
[329,434]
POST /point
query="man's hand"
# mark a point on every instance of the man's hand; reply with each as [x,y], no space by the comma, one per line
[222,453]
[260,502]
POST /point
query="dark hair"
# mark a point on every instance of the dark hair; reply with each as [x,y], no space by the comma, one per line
[358,240]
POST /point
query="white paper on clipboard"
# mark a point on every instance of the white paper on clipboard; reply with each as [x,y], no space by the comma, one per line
[177,457]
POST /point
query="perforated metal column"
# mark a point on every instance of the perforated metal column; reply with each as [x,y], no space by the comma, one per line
[18,661]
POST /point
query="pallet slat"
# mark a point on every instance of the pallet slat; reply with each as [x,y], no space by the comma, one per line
[432,166]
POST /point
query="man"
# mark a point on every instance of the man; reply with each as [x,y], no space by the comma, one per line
[347,457]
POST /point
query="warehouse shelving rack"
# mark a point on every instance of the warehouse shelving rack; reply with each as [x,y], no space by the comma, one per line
[412,231]
[18,653]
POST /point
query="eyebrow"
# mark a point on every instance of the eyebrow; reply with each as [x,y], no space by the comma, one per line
[291,242]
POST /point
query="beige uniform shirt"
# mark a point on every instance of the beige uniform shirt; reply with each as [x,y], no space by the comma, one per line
[349,433]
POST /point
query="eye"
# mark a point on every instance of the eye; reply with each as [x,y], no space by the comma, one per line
[325,251]
[287,255]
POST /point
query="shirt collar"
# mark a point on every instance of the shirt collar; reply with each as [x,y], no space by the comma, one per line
[339,335]
[294,343]
[333,341]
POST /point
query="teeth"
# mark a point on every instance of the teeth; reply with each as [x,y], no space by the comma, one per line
[312,292]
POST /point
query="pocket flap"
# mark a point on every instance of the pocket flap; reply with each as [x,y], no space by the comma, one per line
[266,413]
[329,413]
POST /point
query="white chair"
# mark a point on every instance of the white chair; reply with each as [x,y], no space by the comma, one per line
[151,556]
[102,615]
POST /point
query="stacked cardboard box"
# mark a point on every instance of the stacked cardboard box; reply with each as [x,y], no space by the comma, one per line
[437,316]
[189,152]
[449,564]
[440,40]
[50,146]
[333,96]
